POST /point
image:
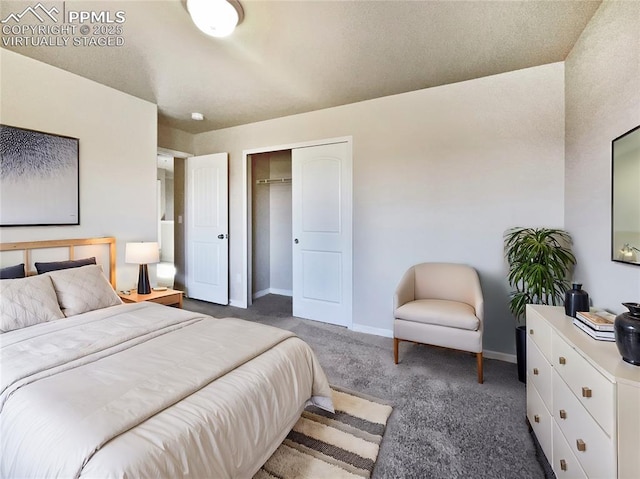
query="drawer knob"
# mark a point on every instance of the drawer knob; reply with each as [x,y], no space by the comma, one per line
[536,418]
[535,371]
[531,331]
[581,445]
[563,414]
[586,392]
[563,464]
[562,360]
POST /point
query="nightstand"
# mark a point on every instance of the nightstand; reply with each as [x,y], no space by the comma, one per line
[169,297]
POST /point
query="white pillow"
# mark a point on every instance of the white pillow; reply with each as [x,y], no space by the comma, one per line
[27,301]
[83,289]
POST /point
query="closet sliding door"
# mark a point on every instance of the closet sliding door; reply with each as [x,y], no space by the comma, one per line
[322,233]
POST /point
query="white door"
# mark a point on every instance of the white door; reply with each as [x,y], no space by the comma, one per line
[322,233]
[207,228]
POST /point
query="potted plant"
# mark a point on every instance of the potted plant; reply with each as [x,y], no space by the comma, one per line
[540,262]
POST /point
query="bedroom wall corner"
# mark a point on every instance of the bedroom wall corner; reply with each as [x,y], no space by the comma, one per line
[174,140]
[118,148]
[602,83]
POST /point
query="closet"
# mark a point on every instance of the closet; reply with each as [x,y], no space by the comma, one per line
[271,224]
[299,227]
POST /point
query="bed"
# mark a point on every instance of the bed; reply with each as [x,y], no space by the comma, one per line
[101,389]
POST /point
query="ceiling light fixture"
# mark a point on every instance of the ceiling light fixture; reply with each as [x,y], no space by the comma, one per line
[217,18]
[197,116]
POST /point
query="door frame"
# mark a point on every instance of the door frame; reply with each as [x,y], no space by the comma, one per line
[247,233]
[180,239]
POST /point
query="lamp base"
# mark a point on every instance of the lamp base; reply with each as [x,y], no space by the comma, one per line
[144,287]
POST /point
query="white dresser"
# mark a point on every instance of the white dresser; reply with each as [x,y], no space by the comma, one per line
[583,400]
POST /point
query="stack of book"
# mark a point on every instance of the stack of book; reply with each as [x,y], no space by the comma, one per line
[597,324]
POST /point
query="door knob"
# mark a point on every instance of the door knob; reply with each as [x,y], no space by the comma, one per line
[296,241]
[220,236]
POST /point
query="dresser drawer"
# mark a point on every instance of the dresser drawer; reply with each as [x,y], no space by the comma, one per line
[540,420]
[592,389]
[564,464]
[539,373]
[540,332]
[594,450]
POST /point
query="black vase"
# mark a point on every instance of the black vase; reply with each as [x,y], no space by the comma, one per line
[576,299]
[627,327]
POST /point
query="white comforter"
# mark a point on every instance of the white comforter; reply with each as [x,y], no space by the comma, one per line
[144,390]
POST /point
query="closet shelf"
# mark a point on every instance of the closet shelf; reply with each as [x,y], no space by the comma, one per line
[268,181]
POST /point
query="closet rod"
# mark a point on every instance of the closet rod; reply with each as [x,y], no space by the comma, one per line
[268,181]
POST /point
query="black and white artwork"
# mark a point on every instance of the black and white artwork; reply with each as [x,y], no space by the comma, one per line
[39,178]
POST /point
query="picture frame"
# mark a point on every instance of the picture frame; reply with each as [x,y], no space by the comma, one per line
[39,178]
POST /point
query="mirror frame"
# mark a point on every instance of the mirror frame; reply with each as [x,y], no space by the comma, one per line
[633,250]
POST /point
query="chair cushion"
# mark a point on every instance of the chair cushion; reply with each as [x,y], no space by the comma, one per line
[439,312]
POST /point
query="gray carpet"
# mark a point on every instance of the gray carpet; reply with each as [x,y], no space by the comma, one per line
[444,424]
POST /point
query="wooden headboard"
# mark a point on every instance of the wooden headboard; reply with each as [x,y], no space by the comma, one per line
[27,246]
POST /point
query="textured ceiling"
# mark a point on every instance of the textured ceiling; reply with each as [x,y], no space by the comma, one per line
[291,57]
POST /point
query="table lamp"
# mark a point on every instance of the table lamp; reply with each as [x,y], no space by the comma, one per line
[142,254]
[627,253]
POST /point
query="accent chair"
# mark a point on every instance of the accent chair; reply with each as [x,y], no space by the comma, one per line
[440,304]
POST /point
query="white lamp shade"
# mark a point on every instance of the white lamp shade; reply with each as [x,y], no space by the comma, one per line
[217,18]
[142,253]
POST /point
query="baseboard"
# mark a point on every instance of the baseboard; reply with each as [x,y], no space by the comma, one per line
[509,358]
[264,292]
[260,294]
[281,292]
[361,328]
[388,333]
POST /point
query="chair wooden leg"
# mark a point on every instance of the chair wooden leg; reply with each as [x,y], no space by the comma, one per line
[396,341]
[480,376]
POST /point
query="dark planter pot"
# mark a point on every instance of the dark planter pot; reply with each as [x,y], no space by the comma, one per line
[521,352]
[627,326]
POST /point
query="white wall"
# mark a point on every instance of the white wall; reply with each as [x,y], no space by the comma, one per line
[439,175]
[281,277]
[602,102]
[261,226]
[118,145]
[174,140]
[271,224]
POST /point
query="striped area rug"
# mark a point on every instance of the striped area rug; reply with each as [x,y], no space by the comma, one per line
[322,445]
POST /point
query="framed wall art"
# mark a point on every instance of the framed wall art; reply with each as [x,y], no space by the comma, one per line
[39,178]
